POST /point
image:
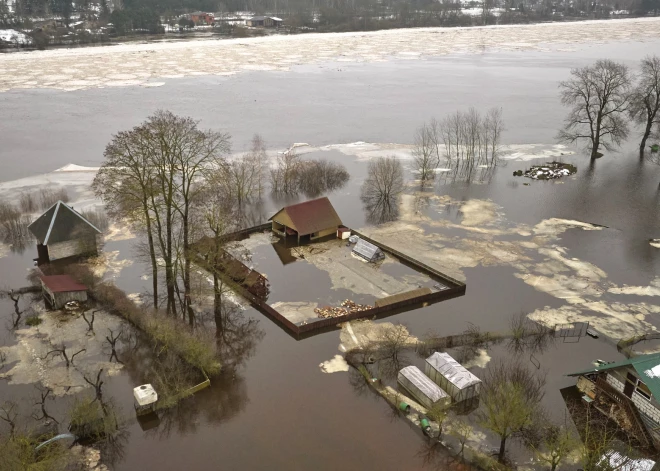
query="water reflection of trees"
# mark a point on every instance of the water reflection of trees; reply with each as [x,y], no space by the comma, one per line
[382,189]
[293,175]
[14,228]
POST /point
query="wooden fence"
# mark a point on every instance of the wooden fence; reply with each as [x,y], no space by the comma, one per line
[454,288]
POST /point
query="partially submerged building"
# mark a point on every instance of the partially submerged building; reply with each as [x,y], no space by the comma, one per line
[368,251]
[453,377]
[264,21]
[309,220]
[62,232]
[631,387]
[421,388]
[58,290]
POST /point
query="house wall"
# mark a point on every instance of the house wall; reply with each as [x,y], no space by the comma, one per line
[323,233]
[62,298]
[283,218]
[72,248]
[649,408]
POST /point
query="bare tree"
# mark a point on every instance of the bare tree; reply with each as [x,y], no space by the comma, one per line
[44,393]
[555,444]
[384,179]
[97,385]
[9,414]
[510,400]
[598,96]
[90,322]
[645,99]
[259,160]
[61,351]
[463,432]
[112,341]
[425,155]
[284,177]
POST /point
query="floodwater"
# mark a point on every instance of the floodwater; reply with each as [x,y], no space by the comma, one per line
[275,409]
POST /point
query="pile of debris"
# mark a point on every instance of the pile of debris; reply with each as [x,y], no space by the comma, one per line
[549,171]
[347,307]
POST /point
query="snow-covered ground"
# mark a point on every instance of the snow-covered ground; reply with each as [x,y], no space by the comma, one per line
[13,36]
[137,64]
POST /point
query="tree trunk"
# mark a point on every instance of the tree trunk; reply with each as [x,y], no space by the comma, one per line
[500,457]
[152,254]
[645,136]
[186,272]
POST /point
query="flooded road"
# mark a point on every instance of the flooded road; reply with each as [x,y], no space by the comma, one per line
[274,409]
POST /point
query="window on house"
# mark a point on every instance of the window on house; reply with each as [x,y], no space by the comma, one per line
[643,390]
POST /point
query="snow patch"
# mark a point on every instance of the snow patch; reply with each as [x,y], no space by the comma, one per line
[338,363]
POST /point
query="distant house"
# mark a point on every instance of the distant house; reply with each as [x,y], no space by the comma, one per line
[630,387]
[311,219]
[264,21]
[200,17]
[61,289]
[62,232]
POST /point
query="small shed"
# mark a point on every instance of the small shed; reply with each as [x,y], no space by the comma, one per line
[58,290]
[343,232]
[312,219]
[453,377]
[421,388]
[63,232]
[368,251]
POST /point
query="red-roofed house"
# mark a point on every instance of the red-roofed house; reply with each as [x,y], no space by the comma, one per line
[60,289]
[314,219]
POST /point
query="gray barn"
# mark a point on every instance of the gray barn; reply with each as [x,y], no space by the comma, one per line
[453,377]
[60,289]
[62,232]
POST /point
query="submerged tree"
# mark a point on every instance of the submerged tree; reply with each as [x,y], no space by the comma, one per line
[151,175]
[645,99]
[425,151]
[510,401]
[382,188]
[598,96]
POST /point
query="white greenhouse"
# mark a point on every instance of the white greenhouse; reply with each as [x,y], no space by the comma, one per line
[421,388]
[453,377]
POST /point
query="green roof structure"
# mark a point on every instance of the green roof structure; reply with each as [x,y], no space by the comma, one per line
[61,223]
[646,366]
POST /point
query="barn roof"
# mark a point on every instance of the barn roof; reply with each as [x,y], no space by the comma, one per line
[311,216]
[61,283]
[61,223]
[456,373]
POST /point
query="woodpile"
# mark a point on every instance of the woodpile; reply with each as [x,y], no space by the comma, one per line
[347,307]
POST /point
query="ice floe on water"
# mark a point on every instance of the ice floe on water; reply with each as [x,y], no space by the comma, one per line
[139,64]
[338,363]
[652,290]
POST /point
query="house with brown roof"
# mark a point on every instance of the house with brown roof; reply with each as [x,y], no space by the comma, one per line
[309,220]
[61,289]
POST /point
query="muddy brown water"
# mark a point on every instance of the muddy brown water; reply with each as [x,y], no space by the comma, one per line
[275,410]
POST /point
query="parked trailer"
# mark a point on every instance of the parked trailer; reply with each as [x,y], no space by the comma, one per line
[421,388]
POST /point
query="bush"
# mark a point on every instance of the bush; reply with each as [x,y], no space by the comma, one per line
[98,218]
[48,197]
[89,420]
[33,321]
[28,203]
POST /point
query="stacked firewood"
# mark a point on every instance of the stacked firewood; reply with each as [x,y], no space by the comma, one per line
[347,307]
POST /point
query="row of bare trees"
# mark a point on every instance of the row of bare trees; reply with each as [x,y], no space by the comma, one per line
[604,96]
[464,138]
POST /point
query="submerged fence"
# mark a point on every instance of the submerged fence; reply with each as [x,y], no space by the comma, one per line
[453,289]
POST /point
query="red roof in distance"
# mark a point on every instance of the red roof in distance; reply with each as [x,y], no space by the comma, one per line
[61,283]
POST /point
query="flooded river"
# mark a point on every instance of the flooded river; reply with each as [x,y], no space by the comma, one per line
[275,409]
